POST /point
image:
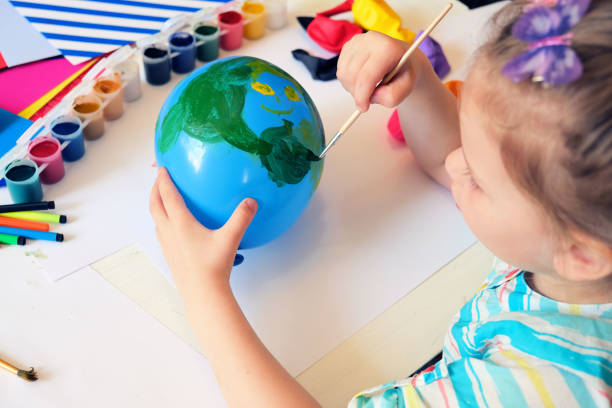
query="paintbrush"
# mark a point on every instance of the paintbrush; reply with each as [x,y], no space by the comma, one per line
[389,76]
[29,375]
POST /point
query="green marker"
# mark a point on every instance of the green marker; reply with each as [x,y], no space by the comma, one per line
[12,239]
[36,216]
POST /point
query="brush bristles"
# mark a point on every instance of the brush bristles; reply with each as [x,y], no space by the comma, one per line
[29,375]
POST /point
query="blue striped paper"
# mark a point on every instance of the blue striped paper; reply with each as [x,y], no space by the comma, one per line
[82,29]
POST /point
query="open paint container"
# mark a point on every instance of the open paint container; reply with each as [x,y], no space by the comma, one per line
[23,181]
[276,13]
[230,23]
[108,88]
[46,150]
[207,41]
[88,108]
[130,77]
[183,52]
[157,64]
[69,129]
[254,12]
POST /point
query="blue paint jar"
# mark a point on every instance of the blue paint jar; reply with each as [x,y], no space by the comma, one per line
[156,59]
[23,181]
[183,49]
[68,128]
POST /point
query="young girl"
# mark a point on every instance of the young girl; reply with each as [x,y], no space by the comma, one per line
[528,158]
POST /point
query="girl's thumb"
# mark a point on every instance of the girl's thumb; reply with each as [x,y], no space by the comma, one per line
[238,223]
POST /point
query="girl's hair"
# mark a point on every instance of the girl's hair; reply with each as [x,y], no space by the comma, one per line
[556,142]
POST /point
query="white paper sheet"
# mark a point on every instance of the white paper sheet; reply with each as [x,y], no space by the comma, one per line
[375,229]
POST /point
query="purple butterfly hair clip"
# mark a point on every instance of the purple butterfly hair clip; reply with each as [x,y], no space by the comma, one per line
[549,57]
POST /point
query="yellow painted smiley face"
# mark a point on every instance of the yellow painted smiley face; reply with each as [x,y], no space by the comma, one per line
[266,89]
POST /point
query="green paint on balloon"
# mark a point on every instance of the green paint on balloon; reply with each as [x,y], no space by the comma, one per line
[210,110]
[288,161]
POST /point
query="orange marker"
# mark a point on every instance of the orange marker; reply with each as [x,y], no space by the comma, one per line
[24,224]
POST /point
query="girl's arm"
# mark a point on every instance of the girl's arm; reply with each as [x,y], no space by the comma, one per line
[249,376]
[201,262]
[427,109]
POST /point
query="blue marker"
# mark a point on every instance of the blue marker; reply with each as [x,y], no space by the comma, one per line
[42,235]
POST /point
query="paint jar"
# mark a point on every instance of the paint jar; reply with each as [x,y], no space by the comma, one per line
[230,24]
[108,89]
[207,34]
[88,108]
[156,59]
[68,128]
[23,181]
[130,78]
[183,51]
[276,13]
[47,150]
[254,13]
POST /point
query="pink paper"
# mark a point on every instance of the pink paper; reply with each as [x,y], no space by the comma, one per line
[23,85]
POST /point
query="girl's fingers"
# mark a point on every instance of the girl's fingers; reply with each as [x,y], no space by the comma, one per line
[238,223]
[172,199]
[350,68]
[393,93]
[369,76]
[156,206]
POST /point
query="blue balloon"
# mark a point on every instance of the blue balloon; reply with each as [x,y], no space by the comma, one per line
[242,127]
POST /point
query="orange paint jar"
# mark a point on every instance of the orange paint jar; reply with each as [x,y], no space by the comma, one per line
[109,90]
[88,108]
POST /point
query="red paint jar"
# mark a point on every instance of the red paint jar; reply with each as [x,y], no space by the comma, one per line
[230,25]
[47,150]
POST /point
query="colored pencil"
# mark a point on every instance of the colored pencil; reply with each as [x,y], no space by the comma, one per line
[43,205]
[12,239]
[29,375]
[36,216]
[42,235]
[25,224]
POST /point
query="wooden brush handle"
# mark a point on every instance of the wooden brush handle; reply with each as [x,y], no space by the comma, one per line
[415,45]
[8,367]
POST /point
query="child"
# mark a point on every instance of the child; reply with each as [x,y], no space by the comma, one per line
[528,158]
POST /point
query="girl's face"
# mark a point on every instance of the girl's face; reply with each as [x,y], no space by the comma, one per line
[503,218]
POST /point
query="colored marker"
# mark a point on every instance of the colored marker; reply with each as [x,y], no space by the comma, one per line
[42,235]
[42,205]
[12,239]
[25,224]
[36,216]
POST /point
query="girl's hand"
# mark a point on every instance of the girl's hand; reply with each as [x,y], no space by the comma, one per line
[366,59]
[199,258]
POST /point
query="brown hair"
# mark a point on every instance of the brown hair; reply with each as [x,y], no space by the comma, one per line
[556,142]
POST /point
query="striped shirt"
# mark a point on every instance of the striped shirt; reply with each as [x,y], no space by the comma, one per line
[512,347]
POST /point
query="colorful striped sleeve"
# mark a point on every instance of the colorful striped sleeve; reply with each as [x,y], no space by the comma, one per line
[509,346]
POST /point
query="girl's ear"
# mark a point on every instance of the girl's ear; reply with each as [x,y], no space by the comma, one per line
[583,258]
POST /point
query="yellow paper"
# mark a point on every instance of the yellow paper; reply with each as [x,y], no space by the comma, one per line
[43,100]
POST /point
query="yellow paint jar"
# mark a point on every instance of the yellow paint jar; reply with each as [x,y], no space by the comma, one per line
[254,13]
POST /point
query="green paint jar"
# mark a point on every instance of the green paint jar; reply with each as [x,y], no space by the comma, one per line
[207,40]
[23,181]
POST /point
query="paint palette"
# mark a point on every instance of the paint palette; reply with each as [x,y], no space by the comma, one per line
[81,116]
